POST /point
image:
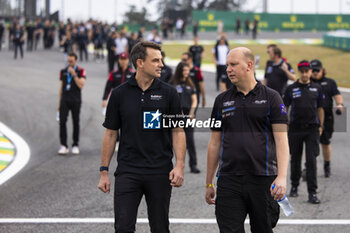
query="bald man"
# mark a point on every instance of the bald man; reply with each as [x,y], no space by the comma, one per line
[249,152]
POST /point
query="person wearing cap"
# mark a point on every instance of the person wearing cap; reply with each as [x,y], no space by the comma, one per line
[146,149]
[249,152]
[118,76]
[305,126]
[277,71]
[330,90]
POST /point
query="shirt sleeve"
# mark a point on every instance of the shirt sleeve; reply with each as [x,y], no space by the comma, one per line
[287,97]
[290,68]
[113,118]
[61,75]
[82,73]
[278,111]
[216,114]
[335,90]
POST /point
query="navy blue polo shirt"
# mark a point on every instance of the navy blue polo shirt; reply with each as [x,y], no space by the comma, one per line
[329,89]
[142,149]
[304,100]
[248,145]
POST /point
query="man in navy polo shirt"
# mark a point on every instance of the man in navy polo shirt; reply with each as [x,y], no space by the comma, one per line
[145,149]
[250,149]
[305,126]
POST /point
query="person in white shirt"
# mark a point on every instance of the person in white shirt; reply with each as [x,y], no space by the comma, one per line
[220,52]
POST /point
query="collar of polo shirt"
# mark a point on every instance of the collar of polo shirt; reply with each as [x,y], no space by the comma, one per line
[254,91]
[155,84]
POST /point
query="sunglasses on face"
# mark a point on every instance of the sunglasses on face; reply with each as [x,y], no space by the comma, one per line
[315,70]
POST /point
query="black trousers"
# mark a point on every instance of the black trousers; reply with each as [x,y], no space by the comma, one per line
[238,196]
[20,46]
[83,50]
[297,137]
[111,61]
[128,192]
[220,70]
[191,148]
[65,107]
[30,42]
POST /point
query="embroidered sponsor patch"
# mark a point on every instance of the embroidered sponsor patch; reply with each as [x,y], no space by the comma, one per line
[260,101]
[228,109]
[312,89]
[283,109]
[156,97]
[228,103]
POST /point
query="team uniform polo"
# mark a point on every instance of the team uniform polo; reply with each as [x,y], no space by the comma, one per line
[329,89]
[142,151]
[115,78]
[276,77]
[197,77]
[304,99]
[248,145]
[248,163]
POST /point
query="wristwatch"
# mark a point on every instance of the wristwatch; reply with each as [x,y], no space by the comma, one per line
[103,168]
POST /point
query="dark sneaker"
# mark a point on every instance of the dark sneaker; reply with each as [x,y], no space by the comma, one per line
[294,192]
[313,199]
[327,170]
[195,170]
[303,174]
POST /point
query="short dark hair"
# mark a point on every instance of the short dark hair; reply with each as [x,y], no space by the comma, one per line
[277,51]
[271,46]
[139,51]
[189,55]
[72,54]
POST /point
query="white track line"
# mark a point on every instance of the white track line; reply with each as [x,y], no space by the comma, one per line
[22,154]
[172,220]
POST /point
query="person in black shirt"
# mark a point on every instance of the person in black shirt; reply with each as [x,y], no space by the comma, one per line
[277,71]
[250,149]
[72,80]
[195,29]
[146,149]
[255,28]
[197,52]
[82,44]
[37,33]
[61,31]
[187,92]
[46,34]
[167,72]
[30,35]
[196,76]
[111,50]
[246,26]
[67,44]
[118,76]
[305,126]
[330,90]
[18,40]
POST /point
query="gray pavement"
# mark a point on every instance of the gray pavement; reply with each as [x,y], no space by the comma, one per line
[53,186]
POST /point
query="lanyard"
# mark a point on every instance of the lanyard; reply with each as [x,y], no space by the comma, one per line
[70,77]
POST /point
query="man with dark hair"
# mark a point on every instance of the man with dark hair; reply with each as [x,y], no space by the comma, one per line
[277,71]
[249,152]
[330,90]
[72,80]
[305,126]
[145,150]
